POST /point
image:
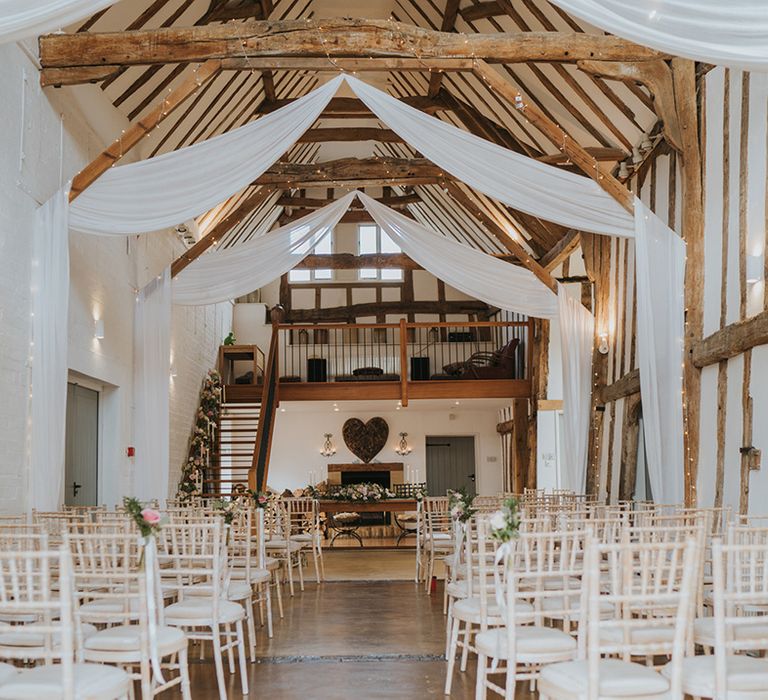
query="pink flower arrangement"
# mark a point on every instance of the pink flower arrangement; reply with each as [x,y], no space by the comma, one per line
[148,520]
[151,516]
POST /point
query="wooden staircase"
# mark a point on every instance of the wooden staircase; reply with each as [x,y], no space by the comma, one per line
[233,453]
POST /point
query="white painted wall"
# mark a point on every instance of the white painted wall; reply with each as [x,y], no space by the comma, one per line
[299,431]
[47,136]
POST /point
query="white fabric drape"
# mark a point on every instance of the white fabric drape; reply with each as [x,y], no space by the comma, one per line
[733,33]
[660,264]
[163,191]
[470,271]
[50,306]
[577,332]
[521,182]
[151,377]
[239,270]
[22,19]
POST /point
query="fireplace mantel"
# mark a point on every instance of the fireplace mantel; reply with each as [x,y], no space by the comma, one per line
[372,467]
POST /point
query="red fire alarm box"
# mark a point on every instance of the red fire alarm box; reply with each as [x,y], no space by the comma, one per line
[130,451]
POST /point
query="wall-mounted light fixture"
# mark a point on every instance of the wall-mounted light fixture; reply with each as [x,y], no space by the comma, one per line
[403,448]
[754,268]
[602,348]
[329,449]
[98,329]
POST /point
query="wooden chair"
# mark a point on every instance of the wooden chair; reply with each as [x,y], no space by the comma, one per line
[109,576]
[189,554]
[653,590]
[540,569]
[26,588]
[740,590]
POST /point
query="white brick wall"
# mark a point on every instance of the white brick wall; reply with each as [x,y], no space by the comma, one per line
[105,272]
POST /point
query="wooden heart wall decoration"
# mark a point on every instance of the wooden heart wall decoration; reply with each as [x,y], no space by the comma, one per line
[365,440]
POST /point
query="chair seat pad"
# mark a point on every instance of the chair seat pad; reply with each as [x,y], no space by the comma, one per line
[555,605]
[92,682]
[108,607]
[271,563]
[617,678]
[27,637]
[202,609]
[641,635]
[704,631]
[283,544]
[456,589]
[468,609]
[302,537]
[530,640]
[128,638]
[743,674]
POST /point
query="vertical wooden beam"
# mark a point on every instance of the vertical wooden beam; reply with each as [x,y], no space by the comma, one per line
[686,102]
[520,444]
[630,430]
[403,363]
[447,25]
[746,436]
[137,131]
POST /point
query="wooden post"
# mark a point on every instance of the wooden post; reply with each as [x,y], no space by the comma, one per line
[520,444]
[137,131]
[630,431]
[684,80]
[403,362]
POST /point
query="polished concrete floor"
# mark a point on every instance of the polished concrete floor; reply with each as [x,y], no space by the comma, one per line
[350,639]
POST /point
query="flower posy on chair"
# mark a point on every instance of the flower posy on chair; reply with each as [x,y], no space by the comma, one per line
[148,520]
[460,503]
[505,523]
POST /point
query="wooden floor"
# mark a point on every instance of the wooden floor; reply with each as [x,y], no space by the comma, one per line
[351,639]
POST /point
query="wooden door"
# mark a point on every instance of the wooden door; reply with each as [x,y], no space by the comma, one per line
[450,464]
[82,447]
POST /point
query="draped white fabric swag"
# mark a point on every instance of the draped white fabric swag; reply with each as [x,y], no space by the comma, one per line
[50,308]
[162,191]
[23,19]
[239,270]
[151,374]
[577,333]
[732,33]
[660,272]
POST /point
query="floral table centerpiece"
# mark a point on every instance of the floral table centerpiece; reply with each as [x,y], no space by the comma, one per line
[359,493]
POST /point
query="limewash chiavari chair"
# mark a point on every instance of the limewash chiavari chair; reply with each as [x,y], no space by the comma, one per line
[279,544]
[304,519]
[479,610]
[26,589]
[540,568]
[439,537]
[195,554]
[740,587]
[108,574]
[644,604]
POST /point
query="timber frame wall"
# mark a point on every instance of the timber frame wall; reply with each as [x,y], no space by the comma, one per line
[731,354]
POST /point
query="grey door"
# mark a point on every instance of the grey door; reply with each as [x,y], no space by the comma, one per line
[82,455]
[450,464]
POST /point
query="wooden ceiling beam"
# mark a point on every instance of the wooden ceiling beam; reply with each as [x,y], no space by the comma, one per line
[352,172]
[326,38]
[344,313]
[654,75]
[587,163]
[215,233]
[349,261]
[351,106]
[561,250]
[316,203]
[506,240]
[448,24]
[349,134]
[138,130]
